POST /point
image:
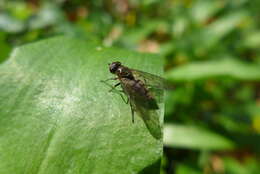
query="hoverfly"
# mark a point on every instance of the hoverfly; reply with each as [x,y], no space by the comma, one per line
[141,90]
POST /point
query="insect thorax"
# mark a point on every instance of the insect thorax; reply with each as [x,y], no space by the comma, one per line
[124,72]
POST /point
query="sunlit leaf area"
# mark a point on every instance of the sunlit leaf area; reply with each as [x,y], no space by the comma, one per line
[56,115]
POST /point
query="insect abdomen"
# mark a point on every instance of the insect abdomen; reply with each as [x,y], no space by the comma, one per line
[146,99]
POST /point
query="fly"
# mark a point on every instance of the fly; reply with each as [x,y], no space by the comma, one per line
[141,90]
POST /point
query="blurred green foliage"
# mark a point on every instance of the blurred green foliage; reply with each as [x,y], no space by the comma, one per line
[212,54]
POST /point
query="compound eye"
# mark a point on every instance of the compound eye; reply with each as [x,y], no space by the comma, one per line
[112,68]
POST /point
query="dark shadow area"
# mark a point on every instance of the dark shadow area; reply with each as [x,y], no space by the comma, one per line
[152,169]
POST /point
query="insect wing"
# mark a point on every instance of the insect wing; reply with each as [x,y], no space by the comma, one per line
[152,80]
[154,84]
[146,107]
[151,119]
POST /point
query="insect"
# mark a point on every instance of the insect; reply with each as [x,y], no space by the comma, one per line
[143,92]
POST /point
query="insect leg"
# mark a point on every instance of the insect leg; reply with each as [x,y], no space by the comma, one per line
[125,100]
[114,87]
[132,112]
[120,93]
[111,86]
[116,91]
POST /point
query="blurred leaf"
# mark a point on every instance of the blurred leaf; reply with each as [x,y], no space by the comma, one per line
[4,47]
[185,169]
[212,34]
[203,10]
[166,48]
[194,138]
[18,9]
[223,67]
[180,25]
[57,117]
[233,124]
[252,40]
[132,36]
[204,158]
[237,3]
[253,109]
[182,96]
[10,24]
[49,14]
[149,2]
[164,162]
[224,25]
[232,166]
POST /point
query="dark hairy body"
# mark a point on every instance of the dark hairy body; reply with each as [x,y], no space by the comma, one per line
[134,88]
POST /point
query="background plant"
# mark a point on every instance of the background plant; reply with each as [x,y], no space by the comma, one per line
[211,53]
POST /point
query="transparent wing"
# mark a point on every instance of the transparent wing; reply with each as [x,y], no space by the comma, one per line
[154,83]
[152,80]
[145,106]
[151,119]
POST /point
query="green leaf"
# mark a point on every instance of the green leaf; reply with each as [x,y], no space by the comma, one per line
[48,15]
[57,117]
[203,10]
[226,67]
[4,47]
[250,165]
[132,36]
[212,35]
[223,26]
[252,40]
[194,138]
[184,169]
[226,24]
[10,24]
